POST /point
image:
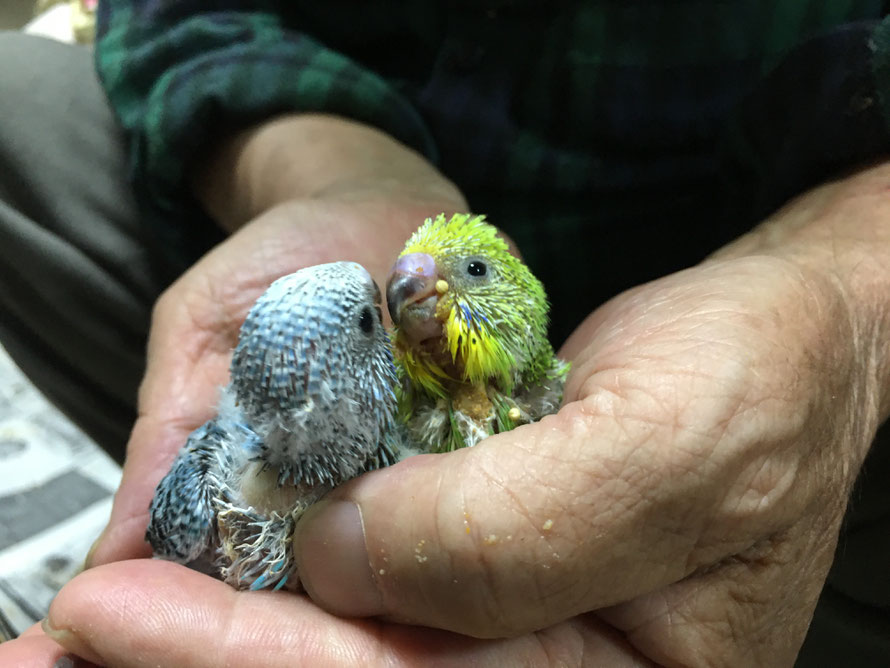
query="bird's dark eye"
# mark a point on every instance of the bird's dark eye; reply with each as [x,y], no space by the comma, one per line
[366,320]
[477,268]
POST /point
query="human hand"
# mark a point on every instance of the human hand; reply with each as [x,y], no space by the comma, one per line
[34,648]
[324,209]
[682,507]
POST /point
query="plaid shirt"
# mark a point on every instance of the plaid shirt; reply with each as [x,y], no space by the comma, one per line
[579,127]
[615,140]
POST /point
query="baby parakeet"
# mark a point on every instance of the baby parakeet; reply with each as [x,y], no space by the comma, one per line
[470,335]
[310,404]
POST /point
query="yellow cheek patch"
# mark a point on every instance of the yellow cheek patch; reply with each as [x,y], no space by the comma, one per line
[424,373]
[482,354]
[473,346]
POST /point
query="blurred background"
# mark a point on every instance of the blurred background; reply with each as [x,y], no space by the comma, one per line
[16,13]
[56,485]
[65,20]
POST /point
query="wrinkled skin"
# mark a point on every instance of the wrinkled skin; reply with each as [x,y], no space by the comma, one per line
[682,508]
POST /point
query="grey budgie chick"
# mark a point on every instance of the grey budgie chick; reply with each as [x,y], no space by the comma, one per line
[310,404]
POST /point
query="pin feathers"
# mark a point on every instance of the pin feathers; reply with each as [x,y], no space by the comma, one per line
[310,404]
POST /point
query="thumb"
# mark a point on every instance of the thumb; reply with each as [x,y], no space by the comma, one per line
[523,531]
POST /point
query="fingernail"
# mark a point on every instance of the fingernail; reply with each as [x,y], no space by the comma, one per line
[68,661]
[70,641]
[333,560]
[88,560]
[71,661]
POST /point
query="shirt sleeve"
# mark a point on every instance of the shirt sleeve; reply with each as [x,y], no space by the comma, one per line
[179,76]
[880,45]
[818,113]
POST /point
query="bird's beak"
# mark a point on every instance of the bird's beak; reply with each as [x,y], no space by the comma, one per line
[411,297]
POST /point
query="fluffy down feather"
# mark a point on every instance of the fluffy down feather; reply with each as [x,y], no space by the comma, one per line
[310,404]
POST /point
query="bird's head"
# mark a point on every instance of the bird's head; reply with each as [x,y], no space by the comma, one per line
[465,309]
[313,340]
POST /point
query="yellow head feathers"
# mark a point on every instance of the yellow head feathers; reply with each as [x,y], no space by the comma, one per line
[488,323]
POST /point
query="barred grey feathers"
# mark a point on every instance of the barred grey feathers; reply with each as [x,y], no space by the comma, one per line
[310,404]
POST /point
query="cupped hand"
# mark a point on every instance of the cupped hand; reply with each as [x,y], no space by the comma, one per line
[195,326]
[681,508]
[690,490]
[296,191]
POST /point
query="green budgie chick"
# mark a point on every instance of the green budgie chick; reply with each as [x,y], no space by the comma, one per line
[470,336]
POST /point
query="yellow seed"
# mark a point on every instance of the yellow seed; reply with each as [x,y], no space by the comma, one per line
[514,414]
[441,286]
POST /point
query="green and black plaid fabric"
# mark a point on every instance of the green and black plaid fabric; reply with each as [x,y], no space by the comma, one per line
[582,128]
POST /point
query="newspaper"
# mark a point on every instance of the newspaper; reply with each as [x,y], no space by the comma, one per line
[56,487]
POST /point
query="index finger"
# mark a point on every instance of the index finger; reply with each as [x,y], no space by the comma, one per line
[32,648]
[150,613]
